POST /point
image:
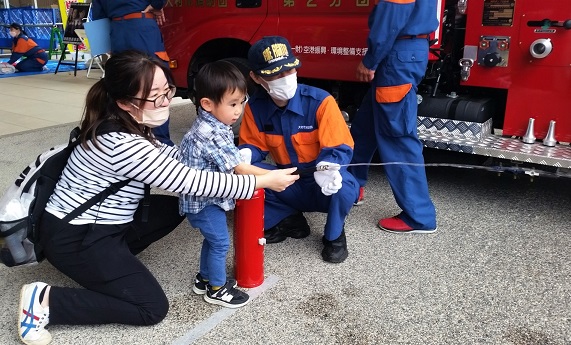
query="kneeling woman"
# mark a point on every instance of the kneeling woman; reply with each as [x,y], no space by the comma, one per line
[97,249]
[23,46]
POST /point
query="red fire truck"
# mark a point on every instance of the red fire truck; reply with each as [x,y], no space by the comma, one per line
[498,84]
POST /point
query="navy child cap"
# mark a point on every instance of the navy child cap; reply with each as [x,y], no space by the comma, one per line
[272,55]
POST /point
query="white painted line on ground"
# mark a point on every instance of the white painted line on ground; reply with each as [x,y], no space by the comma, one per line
[207,325]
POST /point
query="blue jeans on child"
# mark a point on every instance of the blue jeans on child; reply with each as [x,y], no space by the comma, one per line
[211,221]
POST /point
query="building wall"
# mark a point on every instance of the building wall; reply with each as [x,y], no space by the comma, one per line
[41,3]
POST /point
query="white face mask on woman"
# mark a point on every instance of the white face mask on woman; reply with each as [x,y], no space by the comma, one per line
[13,34]
[153,117]
[282,89]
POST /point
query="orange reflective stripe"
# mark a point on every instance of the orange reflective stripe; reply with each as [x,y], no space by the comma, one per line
[333,130]
[249,132]
[23,45]
[401,1]
[163,56]
[306,145]
[277,148]
[391,94]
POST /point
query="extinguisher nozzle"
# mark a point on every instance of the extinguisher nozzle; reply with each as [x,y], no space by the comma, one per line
[306,171]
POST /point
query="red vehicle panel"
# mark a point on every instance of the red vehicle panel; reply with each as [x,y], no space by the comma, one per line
[538,87]
[329,36]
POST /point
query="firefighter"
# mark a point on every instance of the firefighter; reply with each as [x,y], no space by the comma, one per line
[300,126]
[395,63]
[135,25]
[23,46]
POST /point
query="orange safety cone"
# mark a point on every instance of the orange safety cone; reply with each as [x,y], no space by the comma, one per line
[249,240]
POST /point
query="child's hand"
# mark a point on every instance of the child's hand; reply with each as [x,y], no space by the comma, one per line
[277,180]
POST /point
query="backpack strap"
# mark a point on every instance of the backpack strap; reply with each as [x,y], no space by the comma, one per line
[112,189]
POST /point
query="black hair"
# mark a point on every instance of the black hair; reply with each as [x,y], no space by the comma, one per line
[126,74]
[216,78]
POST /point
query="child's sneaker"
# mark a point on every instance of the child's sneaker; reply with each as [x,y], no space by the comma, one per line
[199,286]
[227,296]
[32,317]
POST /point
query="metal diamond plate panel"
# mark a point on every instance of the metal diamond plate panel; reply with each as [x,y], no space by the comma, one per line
[506,148]
[445,128]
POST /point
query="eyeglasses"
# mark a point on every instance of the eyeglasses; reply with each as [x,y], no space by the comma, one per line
[160,99]
[246,99]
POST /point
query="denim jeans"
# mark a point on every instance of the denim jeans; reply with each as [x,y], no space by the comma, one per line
[211,221]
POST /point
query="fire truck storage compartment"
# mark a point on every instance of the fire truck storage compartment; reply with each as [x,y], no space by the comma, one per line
[457,108]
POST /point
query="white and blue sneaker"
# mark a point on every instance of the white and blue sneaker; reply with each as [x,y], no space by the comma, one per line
[32,317]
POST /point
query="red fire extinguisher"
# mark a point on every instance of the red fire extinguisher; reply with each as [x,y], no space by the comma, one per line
[249,240]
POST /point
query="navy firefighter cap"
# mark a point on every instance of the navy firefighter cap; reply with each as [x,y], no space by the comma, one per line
[272,55]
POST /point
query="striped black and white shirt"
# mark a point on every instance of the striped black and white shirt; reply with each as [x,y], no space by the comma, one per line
[121,156]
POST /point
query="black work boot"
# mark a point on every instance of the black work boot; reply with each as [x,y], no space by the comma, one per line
[294,226]
[335,251]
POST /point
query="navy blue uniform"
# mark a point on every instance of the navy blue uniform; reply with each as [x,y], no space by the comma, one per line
[36,57]
[131,29]
[386,119]
[310,129]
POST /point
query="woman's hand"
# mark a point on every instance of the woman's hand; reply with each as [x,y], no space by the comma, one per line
[277,180]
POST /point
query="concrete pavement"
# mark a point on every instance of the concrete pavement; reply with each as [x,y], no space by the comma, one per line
[498,270]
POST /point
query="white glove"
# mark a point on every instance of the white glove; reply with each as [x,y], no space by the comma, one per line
[329,180]
[6,68]
[246,154]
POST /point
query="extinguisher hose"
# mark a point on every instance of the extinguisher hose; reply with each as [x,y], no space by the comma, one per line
[516,170]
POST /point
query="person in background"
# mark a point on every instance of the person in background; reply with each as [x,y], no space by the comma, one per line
[23,46]
[97,249]
[209,146]
[300,126]
[394,64]
[135,25]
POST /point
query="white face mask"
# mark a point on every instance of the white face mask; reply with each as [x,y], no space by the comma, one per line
[153,117]
[13,34]
[283,89]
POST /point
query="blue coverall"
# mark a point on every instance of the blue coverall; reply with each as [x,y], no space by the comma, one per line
[36,57]
[388,114]
[139,33]
[310,129]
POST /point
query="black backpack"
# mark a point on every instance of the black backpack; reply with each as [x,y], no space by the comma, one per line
[24,202]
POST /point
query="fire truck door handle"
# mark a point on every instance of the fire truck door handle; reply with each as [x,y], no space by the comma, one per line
[462,6]
[465,65]
[550,23]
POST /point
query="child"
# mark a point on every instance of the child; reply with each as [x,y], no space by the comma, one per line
[221,93]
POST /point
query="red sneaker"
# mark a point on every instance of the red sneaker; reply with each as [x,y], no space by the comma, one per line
[397,225]
[361,198]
